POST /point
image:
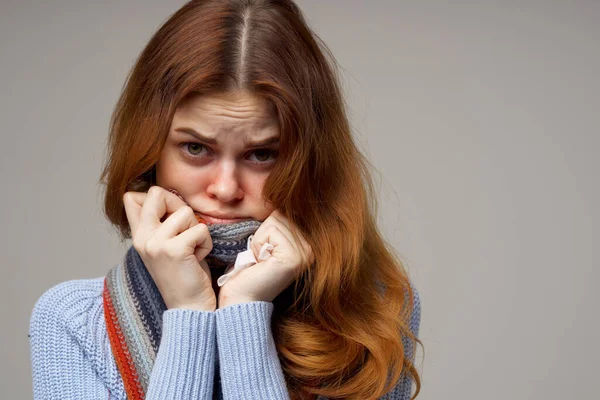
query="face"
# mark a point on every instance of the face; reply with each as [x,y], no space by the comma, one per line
[218,155]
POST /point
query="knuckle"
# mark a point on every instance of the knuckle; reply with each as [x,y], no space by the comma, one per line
[203,232]
[204,227]
[187,211]
[137,244]
[154,190]
[152,248]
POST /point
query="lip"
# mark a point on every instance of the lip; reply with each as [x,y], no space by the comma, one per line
[221,219]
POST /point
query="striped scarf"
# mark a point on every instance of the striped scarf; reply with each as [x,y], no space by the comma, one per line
[133,305]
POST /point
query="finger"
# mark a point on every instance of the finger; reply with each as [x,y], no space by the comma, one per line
[133,201]
[295,236]
[176,223]
[273,219]
[158,203]
[270,234]
[195,240]
[176,193]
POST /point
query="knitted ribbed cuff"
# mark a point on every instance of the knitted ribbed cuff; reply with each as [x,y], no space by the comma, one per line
[185,362]
[248,360]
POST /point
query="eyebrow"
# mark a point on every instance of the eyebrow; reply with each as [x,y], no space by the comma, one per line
[209,140]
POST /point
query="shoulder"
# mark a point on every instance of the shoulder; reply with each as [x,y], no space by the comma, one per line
[68,305]
[73,312]
[64,293]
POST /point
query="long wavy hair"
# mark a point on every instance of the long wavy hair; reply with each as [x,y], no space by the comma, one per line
[338,329]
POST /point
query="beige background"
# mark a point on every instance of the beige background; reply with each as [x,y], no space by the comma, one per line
[481,116]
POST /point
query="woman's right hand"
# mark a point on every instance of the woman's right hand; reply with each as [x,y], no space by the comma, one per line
[174,250]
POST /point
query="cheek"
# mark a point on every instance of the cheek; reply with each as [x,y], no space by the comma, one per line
[253,185]
[253,189]
[172,172]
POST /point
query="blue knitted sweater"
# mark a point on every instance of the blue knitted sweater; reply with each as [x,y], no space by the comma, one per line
[72,359]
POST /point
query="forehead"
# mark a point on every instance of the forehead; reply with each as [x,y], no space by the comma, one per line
[223,113]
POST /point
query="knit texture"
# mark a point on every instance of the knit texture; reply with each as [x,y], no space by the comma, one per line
[72,359]
[229,240]
[133,306]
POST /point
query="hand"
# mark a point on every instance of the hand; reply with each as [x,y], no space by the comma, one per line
[267,279]
[174,250]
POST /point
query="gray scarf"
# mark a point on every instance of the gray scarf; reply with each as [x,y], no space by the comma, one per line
[133,305]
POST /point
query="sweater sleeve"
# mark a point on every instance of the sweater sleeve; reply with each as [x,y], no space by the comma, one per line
[249,364]
[248,360]
[71,356]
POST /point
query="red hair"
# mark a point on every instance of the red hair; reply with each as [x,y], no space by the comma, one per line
[338,329]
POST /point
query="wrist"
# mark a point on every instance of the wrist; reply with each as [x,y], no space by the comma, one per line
[226,301]
[203,306]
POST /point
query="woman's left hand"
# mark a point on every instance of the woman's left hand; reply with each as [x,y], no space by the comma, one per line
[266,279]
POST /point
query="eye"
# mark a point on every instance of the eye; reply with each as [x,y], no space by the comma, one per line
[263,156]
[193,149]
[196,151]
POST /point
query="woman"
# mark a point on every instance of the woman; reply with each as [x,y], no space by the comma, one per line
[229,139]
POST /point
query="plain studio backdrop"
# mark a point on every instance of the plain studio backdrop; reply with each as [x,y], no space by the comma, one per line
[482,118]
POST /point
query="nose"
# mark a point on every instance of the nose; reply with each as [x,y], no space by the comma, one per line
[225,185]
